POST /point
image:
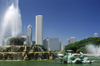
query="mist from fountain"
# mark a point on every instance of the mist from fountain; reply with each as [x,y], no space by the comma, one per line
[95,49]
[11,25]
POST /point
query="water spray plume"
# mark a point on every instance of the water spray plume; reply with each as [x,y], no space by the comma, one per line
[93,49]
[11,24]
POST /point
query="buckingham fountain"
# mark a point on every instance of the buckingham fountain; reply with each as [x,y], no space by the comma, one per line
[12,45]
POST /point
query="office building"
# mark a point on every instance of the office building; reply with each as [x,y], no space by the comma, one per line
[29,35]
[54,43]
[62,47]
[60,44]
[95,34]
[68,41]
[45,44]
[33,42]
[39,29]
[72,39]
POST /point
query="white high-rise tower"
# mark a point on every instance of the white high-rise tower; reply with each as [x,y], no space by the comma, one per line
[95,34]
[39,29]
[29,34]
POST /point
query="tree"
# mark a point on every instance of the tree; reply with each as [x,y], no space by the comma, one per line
[80,45]
[44,49]
[81,49]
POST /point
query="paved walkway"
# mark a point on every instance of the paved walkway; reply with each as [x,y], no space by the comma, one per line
[87,54]
[79,54]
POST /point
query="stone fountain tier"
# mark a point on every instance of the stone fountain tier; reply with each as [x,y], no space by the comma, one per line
[12,48]
[17,50]
[15,41]
[20,48]
[23,52]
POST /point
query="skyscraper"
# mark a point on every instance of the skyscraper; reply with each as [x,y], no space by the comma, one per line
[54,43]
[72,39]
[29,34]
[95,34]
[62,47]
[68,41]
[45,44]
[39,29]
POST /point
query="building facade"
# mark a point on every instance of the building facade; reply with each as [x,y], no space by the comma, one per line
[62,47]
[95,34]
[39,29]
[68,41]
[54,43]
[45,44]
[72,39]
[29,34]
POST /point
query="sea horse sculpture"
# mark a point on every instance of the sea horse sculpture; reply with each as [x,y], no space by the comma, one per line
[71,58]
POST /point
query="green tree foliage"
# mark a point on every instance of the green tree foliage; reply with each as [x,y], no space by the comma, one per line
[81,49]
[44,49]
[80,45]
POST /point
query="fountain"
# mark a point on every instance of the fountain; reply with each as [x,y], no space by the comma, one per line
[93,49]
[12,45]
[11,25]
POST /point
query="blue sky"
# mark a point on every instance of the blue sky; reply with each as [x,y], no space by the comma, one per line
[62,18]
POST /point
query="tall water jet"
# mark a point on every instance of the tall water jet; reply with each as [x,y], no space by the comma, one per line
[11,25]
[93,49]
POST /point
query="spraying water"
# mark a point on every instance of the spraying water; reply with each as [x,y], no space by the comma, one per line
[11,25]
[93,49]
